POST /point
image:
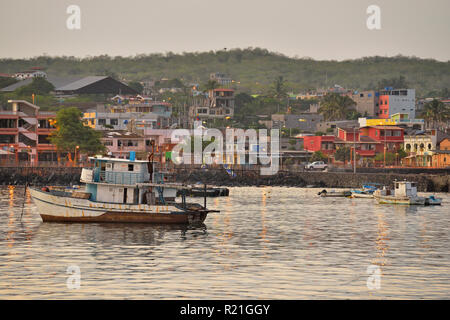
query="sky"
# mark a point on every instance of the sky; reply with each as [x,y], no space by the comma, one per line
[319,29]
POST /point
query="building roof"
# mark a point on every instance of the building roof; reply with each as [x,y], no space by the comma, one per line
[351,130]
[83,82]
[56,81]
[96,85]
[385,127]
[121,134]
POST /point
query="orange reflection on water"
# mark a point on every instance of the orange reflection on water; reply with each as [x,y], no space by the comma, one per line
[10,235]
[381,241]
[263,215]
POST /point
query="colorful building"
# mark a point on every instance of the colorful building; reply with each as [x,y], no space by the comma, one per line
[441,157]
[422,146]
[397,101]
[25,131]
[325,144]
[398,119]
[389,138]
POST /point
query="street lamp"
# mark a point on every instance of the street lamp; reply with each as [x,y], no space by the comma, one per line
[75,160]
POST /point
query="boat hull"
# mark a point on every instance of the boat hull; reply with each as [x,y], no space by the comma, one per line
[400,200]
[54,208]
[362,195]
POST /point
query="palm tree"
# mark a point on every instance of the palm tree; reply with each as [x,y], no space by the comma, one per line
[279,90]
[435,113]
[336,107]
[211,85]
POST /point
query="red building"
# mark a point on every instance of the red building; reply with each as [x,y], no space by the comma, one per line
[389,137]
[24,133]
[353,138]
[324,144]
[368,141]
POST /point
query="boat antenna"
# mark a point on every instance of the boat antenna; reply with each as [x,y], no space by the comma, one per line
[24,192]
[150,160]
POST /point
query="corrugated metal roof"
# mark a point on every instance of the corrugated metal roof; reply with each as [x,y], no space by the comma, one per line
[54,80]
[81,83]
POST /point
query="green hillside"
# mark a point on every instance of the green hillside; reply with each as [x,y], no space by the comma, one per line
[253,69]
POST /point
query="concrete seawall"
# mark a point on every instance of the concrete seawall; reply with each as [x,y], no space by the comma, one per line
[438,182]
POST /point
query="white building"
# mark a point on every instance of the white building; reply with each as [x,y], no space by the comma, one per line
[30,74]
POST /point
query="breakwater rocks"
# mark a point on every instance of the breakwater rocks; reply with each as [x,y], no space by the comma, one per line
[39,176]
[426,182]
[436,182]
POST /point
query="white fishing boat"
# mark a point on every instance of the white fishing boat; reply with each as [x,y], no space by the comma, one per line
[405,193]
[119,190]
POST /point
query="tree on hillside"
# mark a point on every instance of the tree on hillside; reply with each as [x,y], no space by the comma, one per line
[279,90]
[136,85]
[435,113]
[241,99]
[336,107]
[211,85]
[39,86]
[396,83]
[6,81]
[70,133]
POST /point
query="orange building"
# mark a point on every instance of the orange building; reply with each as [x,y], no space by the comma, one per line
[441,158]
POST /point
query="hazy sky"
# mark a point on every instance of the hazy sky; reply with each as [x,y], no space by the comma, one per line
[320,29]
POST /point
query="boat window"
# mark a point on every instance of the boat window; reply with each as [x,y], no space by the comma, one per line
[130,167]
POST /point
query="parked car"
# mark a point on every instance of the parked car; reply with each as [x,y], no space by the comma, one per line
[316,165]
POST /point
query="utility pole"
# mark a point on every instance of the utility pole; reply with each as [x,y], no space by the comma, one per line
[354,151]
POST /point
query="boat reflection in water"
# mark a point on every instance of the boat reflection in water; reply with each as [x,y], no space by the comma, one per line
[119,233]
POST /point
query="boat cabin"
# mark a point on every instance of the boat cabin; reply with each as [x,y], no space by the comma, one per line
[127,181]
[405,189]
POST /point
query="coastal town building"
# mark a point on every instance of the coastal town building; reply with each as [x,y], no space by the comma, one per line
[306,122]
[221,78]
[326,126]
[392,101]
[366,102]
[136,115]
[399,119]
[218,105]
[33,73]
[421,146]
[441,156]
[25,131]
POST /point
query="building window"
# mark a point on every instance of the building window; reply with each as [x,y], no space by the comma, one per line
[101,122]
[114,122]
[131,167]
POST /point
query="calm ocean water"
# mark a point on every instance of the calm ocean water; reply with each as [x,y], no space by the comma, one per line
[266,243]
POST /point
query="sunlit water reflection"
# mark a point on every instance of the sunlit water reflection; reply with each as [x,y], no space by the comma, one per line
[267,243]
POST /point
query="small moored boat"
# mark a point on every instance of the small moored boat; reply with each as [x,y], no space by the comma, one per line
[433,201]
[404,193]
[333,193]
[366,191]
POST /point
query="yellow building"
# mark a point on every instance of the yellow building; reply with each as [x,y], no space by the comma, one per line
[395,120]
